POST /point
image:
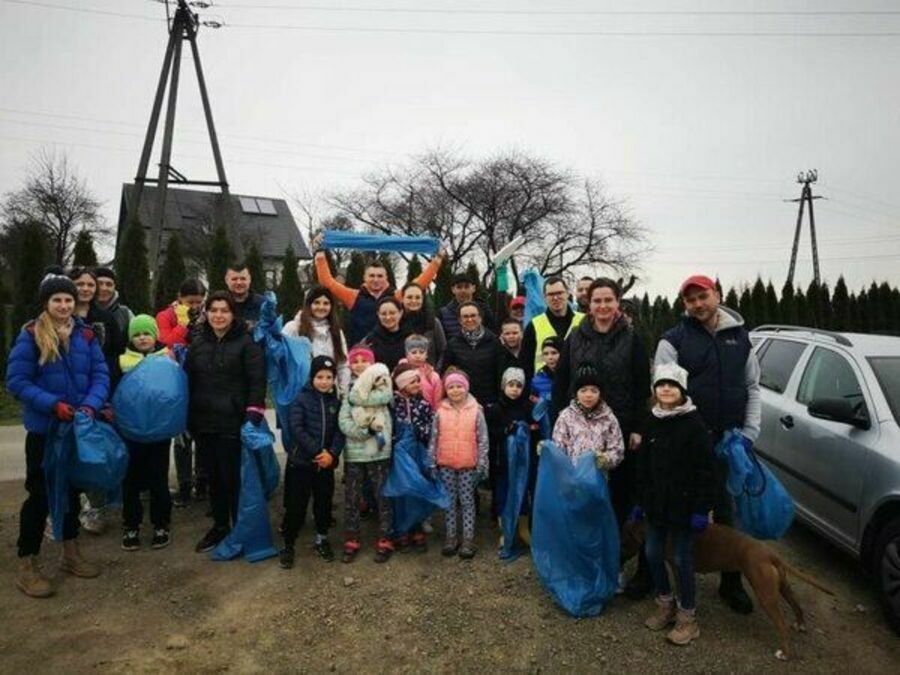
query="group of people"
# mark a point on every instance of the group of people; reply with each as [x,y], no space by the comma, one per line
[460,378]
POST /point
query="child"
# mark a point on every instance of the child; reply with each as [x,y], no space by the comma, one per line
[411,408]
[359,358]
[148,463]
[542,382]
[587,424]
[311,463]
[459,450]
[365,421]
[676,470]
[417,354]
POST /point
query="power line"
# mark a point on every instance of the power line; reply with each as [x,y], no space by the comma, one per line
[84,10]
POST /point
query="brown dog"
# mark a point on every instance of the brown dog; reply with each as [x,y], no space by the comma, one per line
[723,549]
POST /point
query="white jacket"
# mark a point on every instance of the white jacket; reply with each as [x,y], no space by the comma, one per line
[322,345]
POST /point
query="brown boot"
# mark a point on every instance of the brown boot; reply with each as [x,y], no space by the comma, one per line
[664,615]
[30,580]
[686,629]
[74,564]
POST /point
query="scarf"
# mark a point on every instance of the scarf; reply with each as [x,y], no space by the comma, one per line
[683,409]
[474,336]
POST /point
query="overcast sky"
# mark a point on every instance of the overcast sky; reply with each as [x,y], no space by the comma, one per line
[703,134]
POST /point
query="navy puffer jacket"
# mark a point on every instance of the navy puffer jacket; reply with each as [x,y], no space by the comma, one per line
[314,423]
[80,377]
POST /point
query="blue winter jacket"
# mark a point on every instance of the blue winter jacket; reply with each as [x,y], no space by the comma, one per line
[79,377]
[314,423]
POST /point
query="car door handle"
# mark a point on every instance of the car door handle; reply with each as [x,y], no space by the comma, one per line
[787,421]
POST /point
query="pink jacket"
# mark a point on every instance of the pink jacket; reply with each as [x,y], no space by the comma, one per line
[432,386]
[598,433]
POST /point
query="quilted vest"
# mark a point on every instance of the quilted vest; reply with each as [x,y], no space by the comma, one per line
[457,443]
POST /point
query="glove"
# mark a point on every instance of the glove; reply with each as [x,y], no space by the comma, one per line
[107,414]
[254,417]
[502,277]
[699,522]
[87,410]
[64,412]
[182,314]
[636,515]
[324,459]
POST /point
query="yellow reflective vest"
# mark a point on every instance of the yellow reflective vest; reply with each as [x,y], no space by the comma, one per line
[544,329]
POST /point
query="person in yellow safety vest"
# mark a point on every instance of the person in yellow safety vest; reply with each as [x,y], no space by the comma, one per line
[559,319]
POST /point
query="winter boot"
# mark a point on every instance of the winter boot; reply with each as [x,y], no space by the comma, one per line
[467,551]
[664,615]
[450,547]
[73,563]
[30,580]
[686,629]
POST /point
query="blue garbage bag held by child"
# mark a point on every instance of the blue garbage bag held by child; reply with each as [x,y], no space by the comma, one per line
[541,414]
[414,493]
[574,535]
[252,533]
[764,508]
[151,401]
[534,295]
[518,460]
[101,458]
[58,448]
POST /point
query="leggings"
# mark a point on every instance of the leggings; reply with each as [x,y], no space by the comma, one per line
[356,474]
[461,485]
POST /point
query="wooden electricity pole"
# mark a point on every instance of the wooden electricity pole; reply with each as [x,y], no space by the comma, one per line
[806,197]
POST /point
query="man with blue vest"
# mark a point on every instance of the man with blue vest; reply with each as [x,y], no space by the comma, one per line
[557,321]
[712,344]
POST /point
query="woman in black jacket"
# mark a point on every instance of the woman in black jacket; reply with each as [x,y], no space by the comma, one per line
[227,376]
[419,318]
[478,353]
[387,338]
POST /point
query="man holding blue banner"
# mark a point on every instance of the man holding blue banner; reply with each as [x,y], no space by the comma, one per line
[712,344]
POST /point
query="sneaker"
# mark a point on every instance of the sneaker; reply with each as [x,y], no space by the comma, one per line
[323,548]
[131,540]
[450,547]
[161,538]
[210,540]
[467,550]
[383,550]
[286,558]
[686,629]
[664,615]
[92,521]
[351,548]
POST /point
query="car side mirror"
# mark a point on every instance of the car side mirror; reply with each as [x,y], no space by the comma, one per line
[838,410]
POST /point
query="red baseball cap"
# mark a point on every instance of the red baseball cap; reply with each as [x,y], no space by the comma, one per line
[518,301]
[699,281]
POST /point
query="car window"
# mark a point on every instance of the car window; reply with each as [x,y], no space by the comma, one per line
[829,375]
[887,371]
[777,363]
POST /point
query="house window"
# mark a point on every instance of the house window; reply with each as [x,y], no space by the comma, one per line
[257,207]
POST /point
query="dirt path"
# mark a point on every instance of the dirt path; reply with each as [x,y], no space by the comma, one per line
[174,610]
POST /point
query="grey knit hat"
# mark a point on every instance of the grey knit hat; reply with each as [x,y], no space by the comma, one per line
[512,375]
[416,341]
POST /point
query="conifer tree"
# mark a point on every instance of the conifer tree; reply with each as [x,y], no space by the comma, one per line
[773,315]
[133,270]
[827,311]
[803,317]
[254,264]
[758,302]
[172,273]
[83,253]
[814,305]
[221,255]
[788,305]
[442,293]
[731,300]
[290,290]
[840,302]
[745,305]
[32,258]
[413,268]
[353,277]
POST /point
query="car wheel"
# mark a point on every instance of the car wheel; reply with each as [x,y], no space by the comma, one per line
[887,571]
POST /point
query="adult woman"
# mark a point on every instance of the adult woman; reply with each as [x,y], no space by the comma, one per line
[387,338]
[420,319]
[55,367]
[606,341]
[318,321]
[227,376]
[478,353]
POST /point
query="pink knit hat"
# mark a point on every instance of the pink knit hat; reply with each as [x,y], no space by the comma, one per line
[360,350]
[456,377]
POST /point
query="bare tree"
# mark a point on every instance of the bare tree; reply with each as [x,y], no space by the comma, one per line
[58,199]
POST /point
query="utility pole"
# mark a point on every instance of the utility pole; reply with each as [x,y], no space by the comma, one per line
[182,26]
[806,179]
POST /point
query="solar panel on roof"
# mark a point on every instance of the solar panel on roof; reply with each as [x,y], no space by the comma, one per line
[266,207]
[249,205]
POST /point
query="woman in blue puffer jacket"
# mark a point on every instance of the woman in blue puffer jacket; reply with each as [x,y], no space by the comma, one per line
[56,367]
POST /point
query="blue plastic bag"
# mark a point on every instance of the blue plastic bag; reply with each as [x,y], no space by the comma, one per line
[151,401]
[101,458]
[518,460]
[381,242]
[59,447]
[260,441]
[574,534]
[740,466]
[534,295]
[252,533]
[415,495]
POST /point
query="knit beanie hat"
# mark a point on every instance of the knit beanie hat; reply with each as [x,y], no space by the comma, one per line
[360,351]
[553,341]
[322,363]
[456,377]
[512,375]
[671,372]
[587,376]
[143,323]
[105,273]
[416,341]
[56,283]
[404,374]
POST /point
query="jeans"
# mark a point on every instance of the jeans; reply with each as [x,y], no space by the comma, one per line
[682,557]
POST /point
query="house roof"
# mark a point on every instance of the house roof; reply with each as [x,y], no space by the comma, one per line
[265,219]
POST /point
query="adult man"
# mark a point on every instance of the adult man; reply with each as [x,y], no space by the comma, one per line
[463,288]
[478,352]
[246,303]
[558,319]
[581,293]
[711,343]
[511,339]
[362,302]
[107,298]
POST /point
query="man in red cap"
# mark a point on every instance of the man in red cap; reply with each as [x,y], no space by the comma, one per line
[712,344]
